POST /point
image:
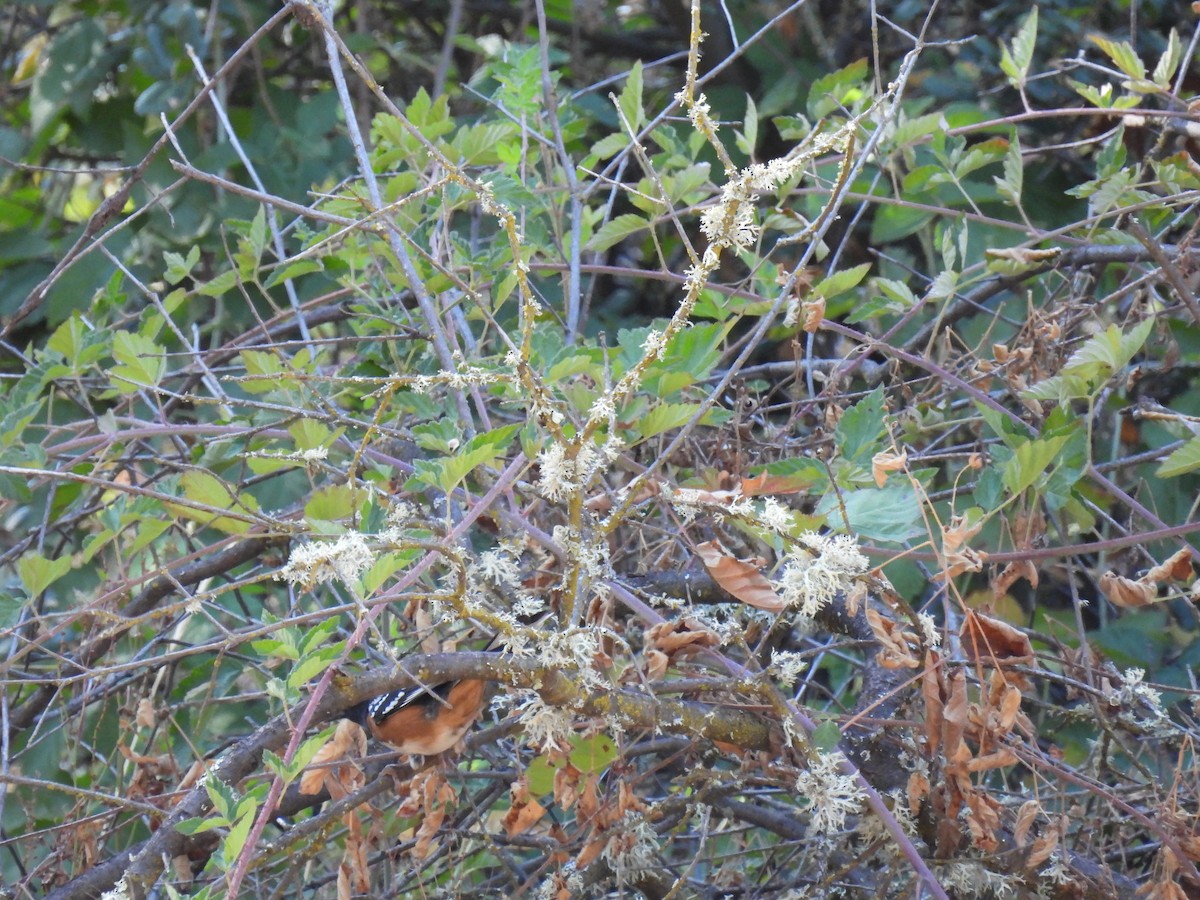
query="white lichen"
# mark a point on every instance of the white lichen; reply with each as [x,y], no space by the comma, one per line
[819,569]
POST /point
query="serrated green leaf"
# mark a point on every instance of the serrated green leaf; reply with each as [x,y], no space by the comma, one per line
[220,285]
[178,266]
[235,840]
[448,472]
[37,573]
[293,270]
[261,363]
[140,362]
[1030,460]
[258,233]
[891,513]
[664,417]
[616,230]
[1013,182]
[1123,56]
[309,667]
[1182,460]
[208,490]
[611,145]
[861,427]
[1015,63]
[1168,62]
[196,825]
[840,282]
[630,101]
[222,796]
[832,91]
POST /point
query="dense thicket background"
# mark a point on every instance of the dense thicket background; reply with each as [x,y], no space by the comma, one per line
[805,393]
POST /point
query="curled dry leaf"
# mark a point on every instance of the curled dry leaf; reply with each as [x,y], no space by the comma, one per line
[957,533]
[524,812]
[994,643]
[811,313]
[1177,568]
[741,579]
[146,716]
[657,664]
[960,561]
[1125,592]
[1014,572]
[932,690]
[885,462]
[349,742]
[897,645]
[1026,816]
[679,635]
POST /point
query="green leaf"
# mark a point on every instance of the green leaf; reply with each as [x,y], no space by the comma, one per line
[825,737]
[835,90]
[447,473]
[1015,63]
[630,101]
[1182,460]
[309,667]
[748,139]
[840,282]
[590,755]
[223,797]
[891,513]
[258,233]
[209,490]
[1093,364]
[140,362]
[37,573]
[1168,62]
[197,825]
[616,230]
[1013,182]
[235,840]
[861,427]
[1030,460]
[332,503]
[293,270]
[664,417]
[220,285]
[178,266]
[267,365]
[1123,56]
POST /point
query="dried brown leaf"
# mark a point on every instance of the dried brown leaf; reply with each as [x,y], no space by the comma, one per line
[1014,572]
[884,462]
[1026,816]
[740,579]
[1177,568]
[1126,593]
[993,642]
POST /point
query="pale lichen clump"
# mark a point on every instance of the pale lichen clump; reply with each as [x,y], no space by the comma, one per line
[546,727]
[818,570]
[499,567]
[633,848]
[971,878]
[319,562]
[787,666]
[831,793]
[1140,705]
[561,475]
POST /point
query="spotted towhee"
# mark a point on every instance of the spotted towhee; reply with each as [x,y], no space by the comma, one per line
[426,721]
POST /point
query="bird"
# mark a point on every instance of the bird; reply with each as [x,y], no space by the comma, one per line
[426,721]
